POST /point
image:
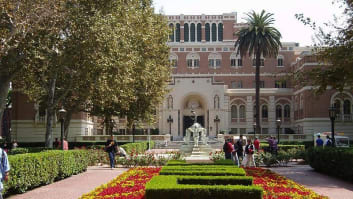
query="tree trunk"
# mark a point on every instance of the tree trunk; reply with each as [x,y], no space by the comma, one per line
[50,113]
[4,90]
[257,92]
[67,122]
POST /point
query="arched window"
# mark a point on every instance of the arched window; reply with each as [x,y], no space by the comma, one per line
[337,105]
[199,32]
[171,36]
[235,60]
[207,32]
[186,32]
[193,60]
[170,102]
[214,60]
[287,111]
[264,111]
[280,59]
[214,32]
[173,58]
[220,32]
[234,112]
[216,102]
[177,32]
[347,107]
[192,32]
[242,112]
[278,111]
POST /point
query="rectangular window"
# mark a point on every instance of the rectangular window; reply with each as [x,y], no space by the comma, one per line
[233,84]
[218,63]
[262,84]
[233,130]
[242,130]
[280,62]
[181,49]
[204,49]
[189,62]
[225,49]
[240,62]
[211,63]
[196,63]
[233,62]
[264,131]
[280,84]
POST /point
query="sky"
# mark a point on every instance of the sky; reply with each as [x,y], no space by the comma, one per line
[292,30]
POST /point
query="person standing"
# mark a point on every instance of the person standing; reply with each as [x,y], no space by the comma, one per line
[5,168]
[257,144]
[270,144]
[328,142]
[238,147]
[249,154]
[274,145]
[111,149]
[319,141]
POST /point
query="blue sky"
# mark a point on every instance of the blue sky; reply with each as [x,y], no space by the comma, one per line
[292,30]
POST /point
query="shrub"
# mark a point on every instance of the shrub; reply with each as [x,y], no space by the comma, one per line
[268,159]
[167,187]
[183,162]
[283,157]
[332,161]
[36,169]
[215,180]
[18,151]
[203,170]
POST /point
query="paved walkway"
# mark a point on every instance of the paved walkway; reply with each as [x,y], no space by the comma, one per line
[74,186]
[322,184]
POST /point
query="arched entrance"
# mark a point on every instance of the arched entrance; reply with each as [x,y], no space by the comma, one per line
[197,104]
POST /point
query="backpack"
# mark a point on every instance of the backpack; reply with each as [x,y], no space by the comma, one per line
[225,147]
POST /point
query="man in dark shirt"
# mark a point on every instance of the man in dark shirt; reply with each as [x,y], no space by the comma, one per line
[111,149]
[238,147]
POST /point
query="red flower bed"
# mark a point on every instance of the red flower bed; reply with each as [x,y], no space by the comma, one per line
[129,185]
[279,187]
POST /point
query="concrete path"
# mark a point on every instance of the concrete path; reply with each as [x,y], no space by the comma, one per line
[322,184]
[74,186]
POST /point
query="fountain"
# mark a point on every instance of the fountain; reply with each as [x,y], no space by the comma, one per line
[195,145]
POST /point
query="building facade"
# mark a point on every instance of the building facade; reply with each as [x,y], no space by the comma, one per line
[209,77]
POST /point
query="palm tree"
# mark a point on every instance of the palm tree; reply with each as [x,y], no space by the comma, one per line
[258,38]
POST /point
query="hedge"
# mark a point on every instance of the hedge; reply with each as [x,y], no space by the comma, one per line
[35,169]
[137,147]
[285,147]
[203,170]
[167,187]
[337,162]
[215,180]
[183,162]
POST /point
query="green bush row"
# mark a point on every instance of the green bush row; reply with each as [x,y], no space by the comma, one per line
[167,187]
[337,162]
[137,147]
[35,169]
[183,162]
[203,170]
[215,180]
[284,147]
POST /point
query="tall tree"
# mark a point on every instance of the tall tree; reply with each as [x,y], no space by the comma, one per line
[19,21]
[258,39]
[334,50]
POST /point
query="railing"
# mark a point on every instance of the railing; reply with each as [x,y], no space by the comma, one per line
[122,138]
[344,117]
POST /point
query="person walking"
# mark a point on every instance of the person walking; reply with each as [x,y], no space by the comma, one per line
[111,149]
[319,142]
[274,146]
[5,169]
[257,144]
[238,148]
[249,155]
[328,142]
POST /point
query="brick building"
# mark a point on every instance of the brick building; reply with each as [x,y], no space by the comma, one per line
[210,78]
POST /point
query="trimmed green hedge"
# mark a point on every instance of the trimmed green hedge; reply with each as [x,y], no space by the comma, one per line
[167,187]
[215,180]
[183,162]
[337,162]
[137,147]
[203,170]
[35,169]
[285,147]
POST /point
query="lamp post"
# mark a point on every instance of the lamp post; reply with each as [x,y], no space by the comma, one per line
[133,132]
[278,123]
[62,112]
[170,121]
[254,126]
[332,113]
[216,121]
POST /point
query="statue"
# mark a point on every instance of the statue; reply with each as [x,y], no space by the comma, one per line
[195,132]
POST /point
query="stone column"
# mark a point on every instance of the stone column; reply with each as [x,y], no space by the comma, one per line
[272,116]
